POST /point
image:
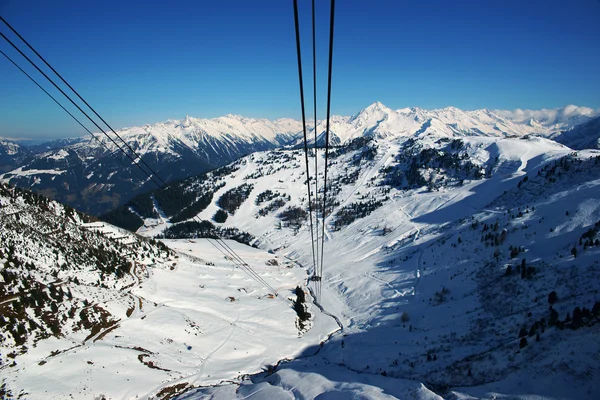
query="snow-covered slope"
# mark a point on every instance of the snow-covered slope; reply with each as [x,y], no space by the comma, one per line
[12,155]
[419,238]
[88,310]
[94,176]
[584,136]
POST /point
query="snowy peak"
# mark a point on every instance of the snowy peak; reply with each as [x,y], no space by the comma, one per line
[11,154]
[375,111]
[9,147]
[187,122]
[373,117]
[380,121]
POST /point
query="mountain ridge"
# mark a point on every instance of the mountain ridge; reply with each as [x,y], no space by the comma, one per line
[99,178]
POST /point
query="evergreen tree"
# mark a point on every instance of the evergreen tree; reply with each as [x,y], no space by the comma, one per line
[523,342]
[553,317]
[577,317]
[522,332]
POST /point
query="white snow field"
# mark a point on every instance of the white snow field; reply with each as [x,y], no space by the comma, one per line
[422,255]
[188,323]
[417,301]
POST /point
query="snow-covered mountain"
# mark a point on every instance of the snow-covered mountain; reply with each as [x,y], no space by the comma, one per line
[469,264]
[462,259]
[94,176]
[12,155]
[584,136]
[379,121]
[83,173]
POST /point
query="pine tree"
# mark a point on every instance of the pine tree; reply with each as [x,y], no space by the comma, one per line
[577,317]
[523,332]
[523,342]
[553,317]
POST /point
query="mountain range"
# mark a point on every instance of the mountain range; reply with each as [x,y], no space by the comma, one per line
[460,261]
[91,174]
[83,173]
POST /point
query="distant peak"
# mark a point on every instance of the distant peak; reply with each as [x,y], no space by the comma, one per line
[373,109]
[377,106]
[411,110]
[452,109]
[186,122]
[235,117]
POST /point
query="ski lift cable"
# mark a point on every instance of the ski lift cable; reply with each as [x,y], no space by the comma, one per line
[315,131]
[76,93]
[94,122]
[300,79]
[68,112]
[231,255]
[71,100]
[244,266]
[244,263]
[329,76]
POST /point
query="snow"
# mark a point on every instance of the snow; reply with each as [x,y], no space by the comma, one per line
[166,137]
[5,178]
[299,379]
[9,147]
[370,279]
[59,155]
[417,255]
[382,122]
[184,322]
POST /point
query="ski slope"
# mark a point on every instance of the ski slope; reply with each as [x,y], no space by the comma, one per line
[194,320]
[417,298]
[421,254]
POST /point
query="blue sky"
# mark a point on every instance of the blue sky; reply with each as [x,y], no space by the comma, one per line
[142,62]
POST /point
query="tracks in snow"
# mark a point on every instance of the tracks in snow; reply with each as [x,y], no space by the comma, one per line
[372,171]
